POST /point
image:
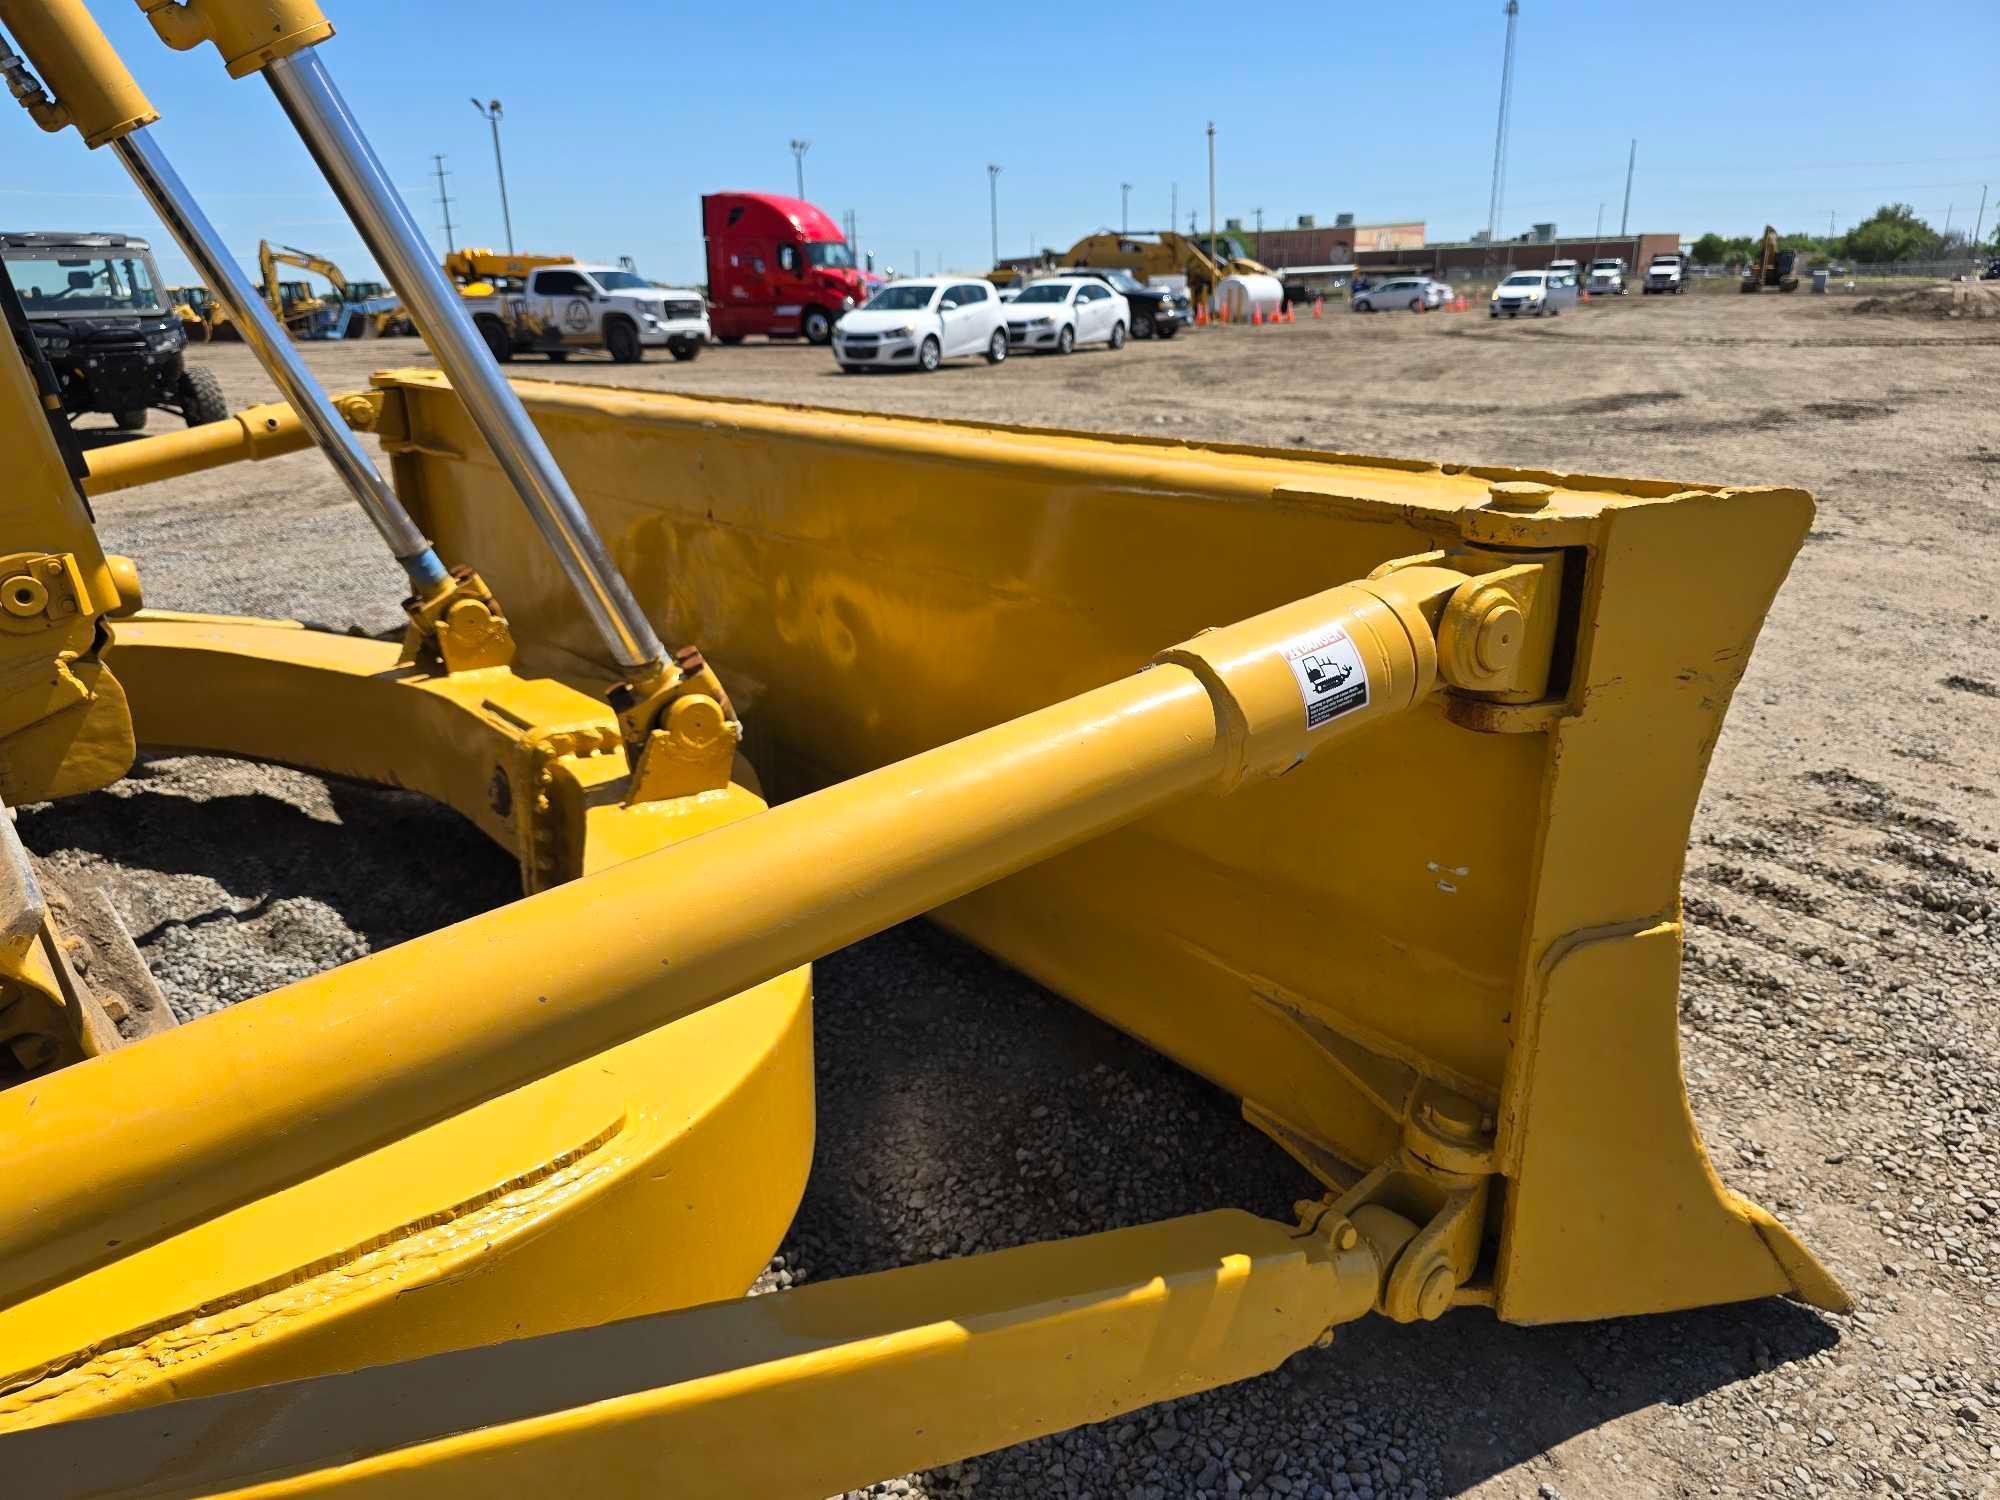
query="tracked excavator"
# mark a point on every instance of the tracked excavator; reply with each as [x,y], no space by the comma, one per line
[1380,828]
[356,309]
[1772,267]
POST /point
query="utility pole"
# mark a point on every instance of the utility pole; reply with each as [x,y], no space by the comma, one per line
[799,150]
[490,112]
[1981,224]
[993,205]
[444,203]
[1211,190]
[1631,161]
[1124,208]
[1174,213]
[1497,201]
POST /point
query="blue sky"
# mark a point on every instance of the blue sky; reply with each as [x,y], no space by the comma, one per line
[620,114]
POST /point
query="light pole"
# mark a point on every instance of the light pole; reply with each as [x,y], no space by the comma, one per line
[490,112]
[1124,208]
[993,205]
[799,150]
[1211,190]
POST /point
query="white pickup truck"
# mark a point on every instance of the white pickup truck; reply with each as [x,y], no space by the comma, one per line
[1666,273]
[558,310]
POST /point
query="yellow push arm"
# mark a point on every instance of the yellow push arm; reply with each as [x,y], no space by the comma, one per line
[256,432]
[309,1076]
[856,1378]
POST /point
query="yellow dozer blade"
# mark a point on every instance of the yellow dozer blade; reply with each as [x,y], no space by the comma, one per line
[1486,899]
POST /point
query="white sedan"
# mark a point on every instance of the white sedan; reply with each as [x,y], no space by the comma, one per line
[920,323]
[1056,315]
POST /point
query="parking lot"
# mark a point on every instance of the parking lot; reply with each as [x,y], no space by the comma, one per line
[1838,1018]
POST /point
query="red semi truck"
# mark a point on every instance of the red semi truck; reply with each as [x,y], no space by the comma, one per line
[776,266]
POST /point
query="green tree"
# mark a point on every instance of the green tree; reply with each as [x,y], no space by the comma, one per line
[1892,232]
[1709,249]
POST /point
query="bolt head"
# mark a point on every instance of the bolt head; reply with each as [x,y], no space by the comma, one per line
[1436,1294]
[1496,642]
[1519,494]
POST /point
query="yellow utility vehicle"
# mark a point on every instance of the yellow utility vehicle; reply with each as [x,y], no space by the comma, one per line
[1380,827]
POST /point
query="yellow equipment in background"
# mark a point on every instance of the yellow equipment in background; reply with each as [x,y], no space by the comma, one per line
[489,273]
[1165,253]
[293,302]
[202,317]
[1392,852]
[1772,266]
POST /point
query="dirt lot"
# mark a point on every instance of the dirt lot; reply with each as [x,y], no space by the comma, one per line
[1840,1025]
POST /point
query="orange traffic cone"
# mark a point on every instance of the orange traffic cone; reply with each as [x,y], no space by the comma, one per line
[1317,303]
[1291,313]
[1256,318]
[1201,315]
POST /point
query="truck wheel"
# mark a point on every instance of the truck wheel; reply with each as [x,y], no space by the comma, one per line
[996,347]
[731,339]
[130,421]
[200,397]
[1167,330]
[684,349]
[498,344]
[1142,325]
[621,339]
[816,324]
[558,356]
[931,355]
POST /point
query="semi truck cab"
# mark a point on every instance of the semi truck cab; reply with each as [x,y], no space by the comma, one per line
[776,266]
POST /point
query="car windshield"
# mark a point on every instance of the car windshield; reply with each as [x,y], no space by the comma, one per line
[1045,291]
[901,299]
[1125,281]
[1525,278]
[833,254]
[620,281]
[1604,265]
[57,285]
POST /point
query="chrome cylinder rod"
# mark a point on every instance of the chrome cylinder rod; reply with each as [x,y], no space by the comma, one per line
[274,349]
[307,94]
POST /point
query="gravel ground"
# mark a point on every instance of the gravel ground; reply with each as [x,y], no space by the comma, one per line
[1839,1026]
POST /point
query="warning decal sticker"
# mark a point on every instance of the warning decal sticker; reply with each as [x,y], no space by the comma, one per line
[1332,681]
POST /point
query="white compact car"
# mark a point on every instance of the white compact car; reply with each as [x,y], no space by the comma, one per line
[1541,293]
[919,323]
[1417,293]
[1054,316]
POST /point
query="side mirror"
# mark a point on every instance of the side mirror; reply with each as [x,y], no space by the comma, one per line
[947,306]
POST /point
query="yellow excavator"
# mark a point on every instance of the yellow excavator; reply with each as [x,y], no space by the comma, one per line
[1166,253]
[1772,266]
[358,309]
[1380,828]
